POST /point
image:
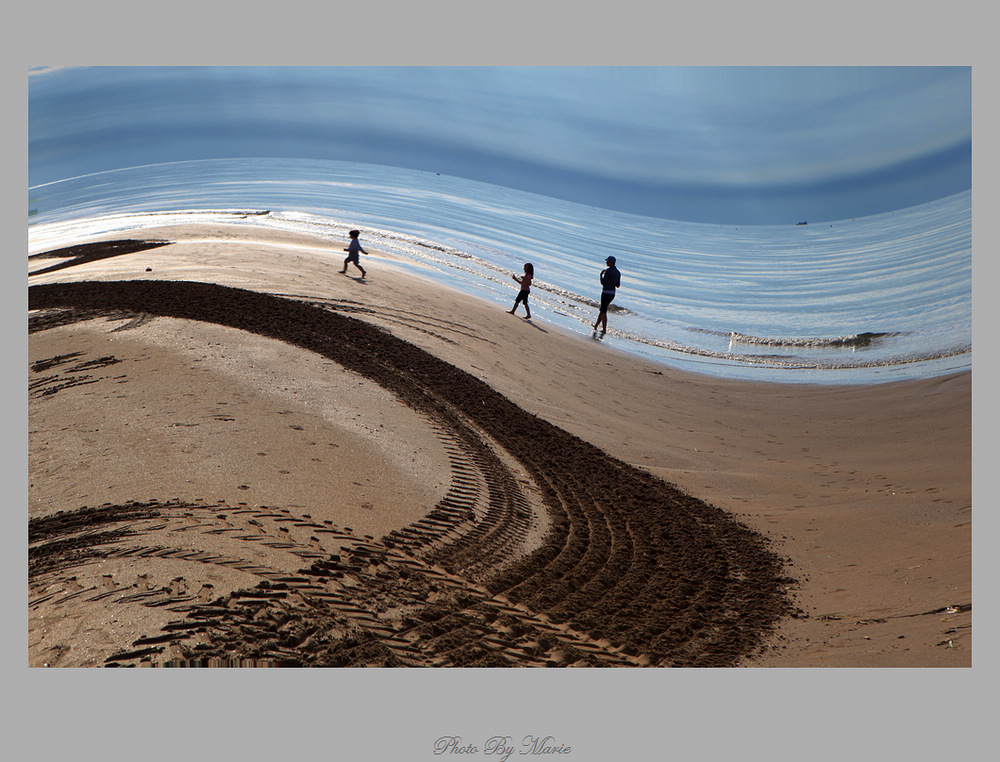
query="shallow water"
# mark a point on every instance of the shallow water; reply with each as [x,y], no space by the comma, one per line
[765,303]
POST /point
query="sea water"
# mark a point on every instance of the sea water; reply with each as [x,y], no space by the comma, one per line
[866,300]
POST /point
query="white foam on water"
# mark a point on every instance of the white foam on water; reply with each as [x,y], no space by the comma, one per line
[776,303]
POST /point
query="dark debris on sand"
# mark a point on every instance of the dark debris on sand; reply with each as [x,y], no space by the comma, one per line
[91,252]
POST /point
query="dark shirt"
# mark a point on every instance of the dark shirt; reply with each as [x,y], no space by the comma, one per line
[611,279]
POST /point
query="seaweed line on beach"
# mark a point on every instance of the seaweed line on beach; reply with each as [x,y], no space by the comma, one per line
[632,571]
[91,252]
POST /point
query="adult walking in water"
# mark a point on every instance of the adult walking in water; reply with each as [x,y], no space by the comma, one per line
[611,279]
[352,252]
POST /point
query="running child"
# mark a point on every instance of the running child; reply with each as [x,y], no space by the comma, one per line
[525,283]
[352,252]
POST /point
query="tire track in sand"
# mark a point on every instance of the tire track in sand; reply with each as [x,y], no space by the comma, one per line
[631,571]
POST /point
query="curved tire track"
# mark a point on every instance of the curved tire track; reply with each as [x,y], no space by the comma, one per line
[632,571]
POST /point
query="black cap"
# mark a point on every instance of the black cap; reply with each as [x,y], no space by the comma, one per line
[610,260]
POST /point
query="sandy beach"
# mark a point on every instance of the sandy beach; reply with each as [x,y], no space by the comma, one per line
[238,455]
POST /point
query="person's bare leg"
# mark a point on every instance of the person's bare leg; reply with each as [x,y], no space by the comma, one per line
[602,320]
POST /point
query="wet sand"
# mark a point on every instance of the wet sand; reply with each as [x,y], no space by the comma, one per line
[238,455]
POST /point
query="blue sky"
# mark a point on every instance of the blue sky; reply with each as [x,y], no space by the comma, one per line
[709,144]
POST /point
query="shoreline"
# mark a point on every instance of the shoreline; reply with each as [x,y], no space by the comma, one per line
[812,469]
[713,361]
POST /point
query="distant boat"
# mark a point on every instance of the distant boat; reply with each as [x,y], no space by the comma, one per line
[802,223]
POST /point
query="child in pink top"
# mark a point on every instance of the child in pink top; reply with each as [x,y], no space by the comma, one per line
[525,282]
